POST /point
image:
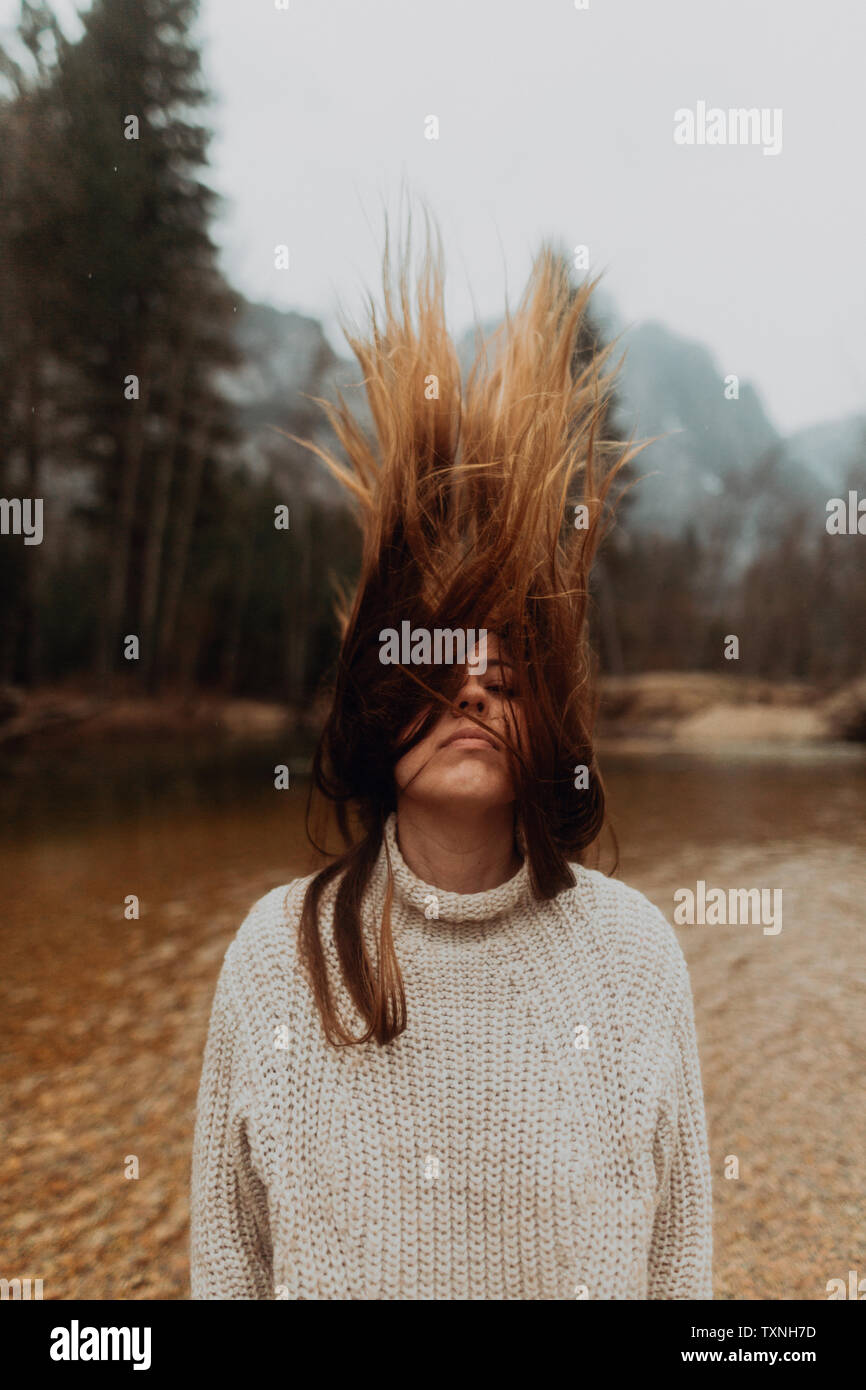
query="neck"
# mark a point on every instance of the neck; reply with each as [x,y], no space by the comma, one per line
[459,851]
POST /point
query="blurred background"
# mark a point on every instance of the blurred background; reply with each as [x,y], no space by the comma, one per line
[734,284]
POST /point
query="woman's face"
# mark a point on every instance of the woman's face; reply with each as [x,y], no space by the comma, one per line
[457,763]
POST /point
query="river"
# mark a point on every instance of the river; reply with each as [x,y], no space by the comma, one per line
[104,1014]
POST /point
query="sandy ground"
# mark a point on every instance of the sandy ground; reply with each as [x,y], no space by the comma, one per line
[781,1034]
[105,1019]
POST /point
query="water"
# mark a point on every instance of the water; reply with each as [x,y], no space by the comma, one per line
[104,1014]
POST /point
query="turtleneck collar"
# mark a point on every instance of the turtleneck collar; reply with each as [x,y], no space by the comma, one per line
[415,897]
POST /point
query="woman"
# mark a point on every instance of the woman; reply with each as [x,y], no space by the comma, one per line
[456,1063]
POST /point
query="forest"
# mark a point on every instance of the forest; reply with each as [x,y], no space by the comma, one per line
[121,346]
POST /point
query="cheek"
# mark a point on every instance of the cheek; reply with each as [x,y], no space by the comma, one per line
[405,768]
[412,762]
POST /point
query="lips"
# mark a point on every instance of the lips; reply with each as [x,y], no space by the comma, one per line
[470,732]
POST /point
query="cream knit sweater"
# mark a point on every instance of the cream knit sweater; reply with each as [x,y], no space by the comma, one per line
[537,1132]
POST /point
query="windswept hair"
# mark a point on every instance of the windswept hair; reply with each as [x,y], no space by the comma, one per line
[482,504]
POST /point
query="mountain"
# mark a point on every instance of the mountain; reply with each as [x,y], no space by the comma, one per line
[286,360]
[722,469]
[671,387]
[828,452]
[719,469]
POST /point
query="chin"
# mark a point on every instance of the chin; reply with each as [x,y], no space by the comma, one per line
[467,791]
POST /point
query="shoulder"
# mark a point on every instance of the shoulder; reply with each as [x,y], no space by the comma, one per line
[262,954]
[260,992]
[635,937]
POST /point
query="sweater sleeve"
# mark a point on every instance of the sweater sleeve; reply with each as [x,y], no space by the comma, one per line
[680,1264]
[230,1249]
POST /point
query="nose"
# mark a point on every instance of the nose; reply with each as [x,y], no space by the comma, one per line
[473,695]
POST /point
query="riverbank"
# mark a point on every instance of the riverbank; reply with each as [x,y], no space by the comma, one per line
[701,711]
[105,1016]
[55,718]
[692,710]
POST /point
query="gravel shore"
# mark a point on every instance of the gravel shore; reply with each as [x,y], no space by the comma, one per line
[105,1022]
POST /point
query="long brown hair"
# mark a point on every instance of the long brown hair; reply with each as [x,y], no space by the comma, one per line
[468,499]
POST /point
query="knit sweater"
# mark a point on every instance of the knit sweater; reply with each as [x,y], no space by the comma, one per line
[536,1132]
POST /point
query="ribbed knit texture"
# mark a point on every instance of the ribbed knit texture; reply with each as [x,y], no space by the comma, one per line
[537,1132]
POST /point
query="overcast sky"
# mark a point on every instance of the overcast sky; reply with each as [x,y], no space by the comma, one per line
[558,122]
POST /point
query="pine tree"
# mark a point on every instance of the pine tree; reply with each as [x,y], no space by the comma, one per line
[149,307]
